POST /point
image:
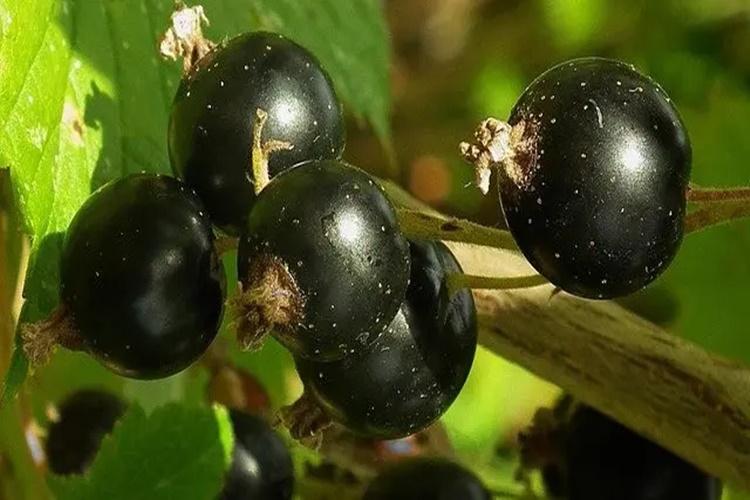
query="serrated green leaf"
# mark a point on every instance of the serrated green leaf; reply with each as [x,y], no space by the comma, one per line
[175,452]
[85,98]
[358,62]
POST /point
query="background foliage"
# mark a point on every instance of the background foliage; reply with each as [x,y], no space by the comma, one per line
[84,98]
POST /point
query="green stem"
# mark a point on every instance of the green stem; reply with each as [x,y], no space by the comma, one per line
[258,155]
[458,281]
[418,224]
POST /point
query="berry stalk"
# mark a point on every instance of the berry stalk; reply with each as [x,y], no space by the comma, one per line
[262,151]
[422,225]
[459,280]
[716,206]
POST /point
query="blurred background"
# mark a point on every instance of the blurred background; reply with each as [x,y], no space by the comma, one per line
[454,63]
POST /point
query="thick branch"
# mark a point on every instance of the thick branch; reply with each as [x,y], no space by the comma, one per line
[686,399]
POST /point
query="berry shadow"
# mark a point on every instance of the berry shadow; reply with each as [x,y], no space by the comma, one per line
[99,106]
[43,278]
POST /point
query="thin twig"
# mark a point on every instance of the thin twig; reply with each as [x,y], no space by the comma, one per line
[714,214]
[695,195]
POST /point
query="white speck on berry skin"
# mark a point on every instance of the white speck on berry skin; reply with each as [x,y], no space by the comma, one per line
[553,121]
[246,67]
[221,83]
[619,83]
[583,155]
[539,201]
[557,255]
[583,84]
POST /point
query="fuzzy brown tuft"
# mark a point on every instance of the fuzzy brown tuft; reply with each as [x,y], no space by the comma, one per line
[270,301]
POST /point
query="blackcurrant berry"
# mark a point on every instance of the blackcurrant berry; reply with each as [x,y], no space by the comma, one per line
[261,467]
[85,417]
[414,371]
[140,280]
[321,261]
[214,110]
[426,479]
[604,459]
[594,167]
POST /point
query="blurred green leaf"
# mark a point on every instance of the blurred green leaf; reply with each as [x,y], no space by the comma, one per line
[496,89]
[173,453]
[351,40]
[85,99]
[711,273]
[574,23]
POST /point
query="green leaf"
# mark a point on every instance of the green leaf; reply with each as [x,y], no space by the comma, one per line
[175,452]
[85,99]
[359,61]
[574,23]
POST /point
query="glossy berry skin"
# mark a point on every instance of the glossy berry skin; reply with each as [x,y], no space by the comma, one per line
[426,479]
[606,460]
[210,129]
[261,467]
[598,206]
[335,232]
[86,416]
[140,277]
[416,369]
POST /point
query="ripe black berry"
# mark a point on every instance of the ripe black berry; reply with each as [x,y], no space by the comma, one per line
[261,467]
[211,126]
[603,459]
[321,261]
[413,372]
[595,163]
[426,479]
[85,417]
[140,280]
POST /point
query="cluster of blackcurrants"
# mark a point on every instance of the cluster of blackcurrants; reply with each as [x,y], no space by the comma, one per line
[594,165]
[255,139]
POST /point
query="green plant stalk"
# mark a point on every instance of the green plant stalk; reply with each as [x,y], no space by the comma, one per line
[458,281]
[419,224]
